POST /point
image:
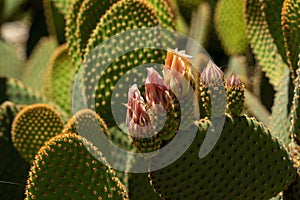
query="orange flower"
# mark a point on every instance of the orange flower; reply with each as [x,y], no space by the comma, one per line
[177,72]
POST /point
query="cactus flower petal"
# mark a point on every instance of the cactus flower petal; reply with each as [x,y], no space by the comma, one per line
[233,81]
[212,74]
[177,72]
[157,92]
[137,118]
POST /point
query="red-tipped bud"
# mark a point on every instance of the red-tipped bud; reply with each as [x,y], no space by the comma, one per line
[234,81]
[137,118]
[177,72]
[212,74]
[157,92]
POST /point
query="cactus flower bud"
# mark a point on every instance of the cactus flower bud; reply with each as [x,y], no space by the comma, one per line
[212,74]
[157,92]
[235,95]
[177,72]
[137,118]
[233,81]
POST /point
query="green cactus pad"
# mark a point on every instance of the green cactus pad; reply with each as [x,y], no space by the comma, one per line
[65,168]
[10,64]
[280,122]
[180,116]
[88,124]
[206,95]
[246,163]
[230,26]
[71,28]
[295,111]
[141,16]
[166,18]
[165,12]
[132,14]
[291,28]
[8,111]
[262,43]
[88,16]
[139,186]
[148,144]
[36,66]
[15,91]
[55,20]
[59,79]
[85,119]
[13,168]
[33,126]
[272,10]
[201,24]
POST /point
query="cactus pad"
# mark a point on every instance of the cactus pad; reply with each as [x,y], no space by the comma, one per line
[37,64]
[59,79]
[15,91]
[272,10]
[291,28]
[64,167]
[8,111]
[33,126]
[139,186]
[10,65]
[295,111]
[141,16]
[280,122]
[246,163]
[231,27]
[262,42]
[88,16]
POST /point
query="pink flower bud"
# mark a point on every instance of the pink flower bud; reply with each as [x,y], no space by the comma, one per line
[212,74]
[137,118]
[233,81]
[157,92]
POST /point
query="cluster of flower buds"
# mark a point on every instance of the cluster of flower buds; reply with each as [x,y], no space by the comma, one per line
[159,93]
[176,83]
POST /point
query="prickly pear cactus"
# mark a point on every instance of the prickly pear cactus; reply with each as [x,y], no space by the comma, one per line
[64,166]
[59,79]
[101,47]
[14,90]
[230,26]
[229,170]
[33,126]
